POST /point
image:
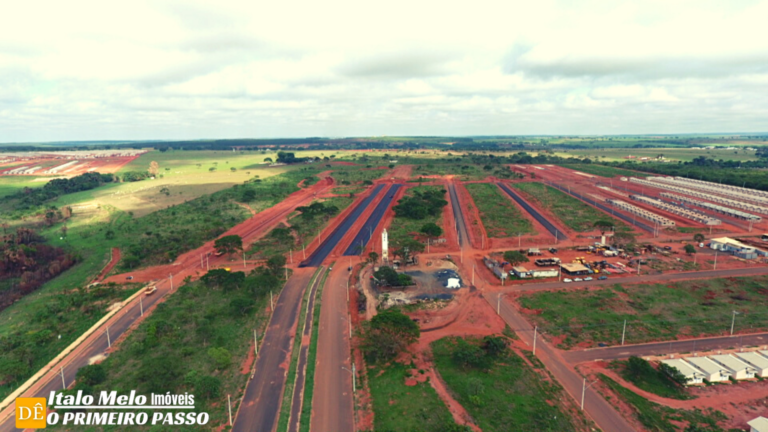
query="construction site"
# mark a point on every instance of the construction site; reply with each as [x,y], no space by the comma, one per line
[66,163]
[575,232]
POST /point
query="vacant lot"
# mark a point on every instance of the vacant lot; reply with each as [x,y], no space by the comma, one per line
[653,312]
[509,396]
[398,407]
[500,216]
[574,214]
[403,228]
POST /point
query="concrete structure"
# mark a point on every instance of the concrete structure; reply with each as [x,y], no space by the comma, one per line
[756,361]
[693,375]
[755,208]
[735,247]
[713,372]
[453,283]
[384,246]
[544,273]
[677,210]
[641,212]
[759,424]
[738,369]
[738,214]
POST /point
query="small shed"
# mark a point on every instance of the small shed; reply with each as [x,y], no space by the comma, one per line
[713,372]
[755,360]
[693,375]
[739,370]
[575,269]
[758,424]
[521,272]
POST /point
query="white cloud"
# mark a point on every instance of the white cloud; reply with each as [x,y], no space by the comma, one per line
[190,69]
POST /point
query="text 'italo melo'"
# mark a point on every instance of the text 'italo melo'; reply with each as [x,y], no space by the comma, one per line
[112,408]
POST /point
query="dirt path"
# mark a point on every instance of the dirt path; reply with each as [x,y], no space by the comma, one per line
[115,258]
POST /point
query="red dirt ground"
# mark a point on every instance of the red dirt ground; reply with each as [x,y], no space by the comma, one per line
[110,265]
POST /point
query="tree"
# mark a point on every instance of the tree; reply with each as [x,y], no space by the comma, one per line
[91,375]
[407,248]
[515,258]
[275,264]
[228,244]
[387,334]
[494,346]
[233,169]
[466,354]
[603,226]
[220,356]
[386,275]
[431,230]
[212,169]
[165,191]
[698,238]
[154,168]
[673,374]
[268,159]
[690,249]
[373,257]
[208,387]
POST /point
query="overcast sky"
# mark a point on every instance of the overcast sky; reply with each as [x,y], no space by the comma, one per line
[82,70]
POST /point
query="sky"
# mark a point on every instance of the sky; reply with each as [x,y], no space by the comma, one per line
[160,69]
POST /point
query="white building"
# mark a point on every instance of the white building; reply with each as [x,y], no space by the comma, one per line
[755,360]
[713,372]
[693,375]
[759,424]
[739,370]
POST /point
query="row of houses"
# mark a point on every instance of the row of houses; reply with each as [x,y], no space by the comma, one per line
[737,248]
[718,368]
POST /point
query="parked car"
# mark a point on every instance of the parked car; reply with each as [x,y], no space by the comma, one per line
[578,280]
[588,278]
[129,277]
[602,278]
[566,280]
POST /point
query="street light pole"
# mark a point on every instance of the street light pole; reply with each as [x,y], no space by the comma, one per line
[623,332]
[733,321]
[584,388]
[535,332]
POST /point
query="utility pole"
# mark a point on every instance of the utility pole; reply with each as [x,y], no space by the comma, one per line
[271,302]
[354,384]
[535,333]
[584,388]
[733,321]
[255,343]
[109,341]
[141,306]
[63,383]
[347,290]
[623,332]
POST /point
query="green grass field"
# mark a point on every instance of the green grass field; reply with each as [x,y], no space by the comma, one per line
[573,213]
[510,395]
[402,228]
[402,408]
[196,341]
[660,418]
[11,184]
[653,312]
[499,215]
[672,154]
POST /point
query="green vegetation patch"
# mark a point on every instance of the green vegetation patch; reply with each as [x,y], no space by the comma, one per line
[402,408]
[660,418]
[652,311]
[574,214]
[196,341]
[662,381]
[500,216]
[501,391]
[405,226]
[351,175]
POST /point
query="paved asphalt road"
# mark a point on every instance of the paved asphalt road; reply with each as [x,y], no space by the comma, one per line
[95,345]
[458,215]
[607,418]
[332,409]
[297,398]
[264,393]
[665,277]
[672,347]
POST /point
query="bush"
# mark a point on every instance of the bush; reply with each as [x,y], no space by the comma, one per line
[387,335]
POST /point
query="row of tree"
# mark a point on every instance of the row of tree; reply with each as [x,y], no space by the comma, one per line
[30,198]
